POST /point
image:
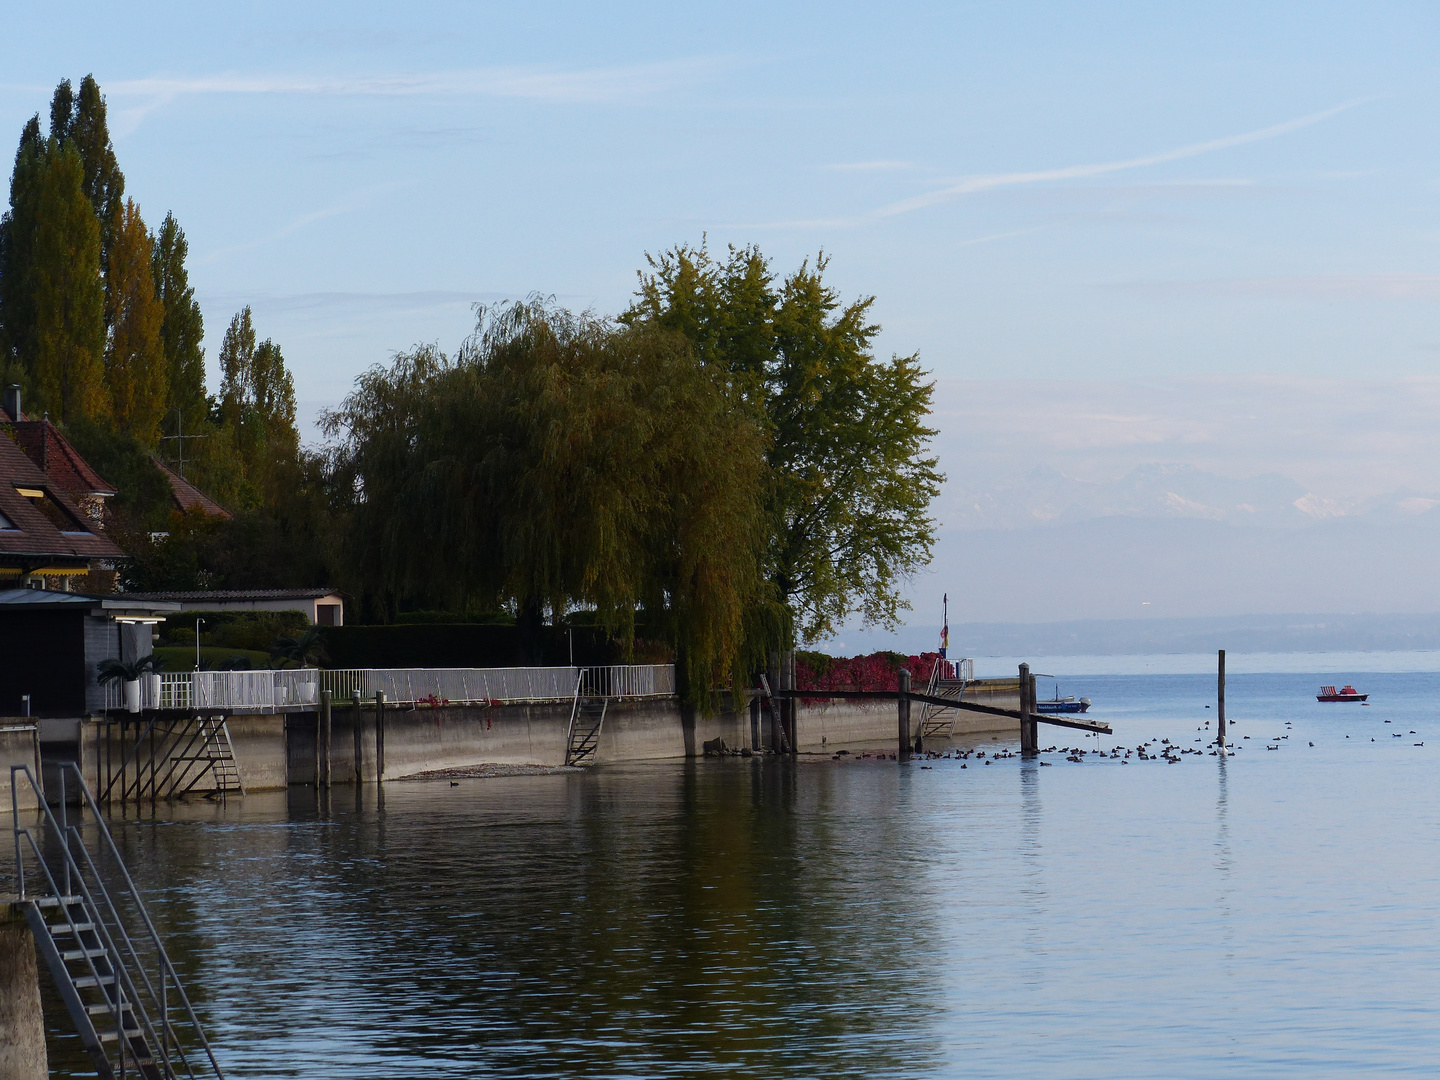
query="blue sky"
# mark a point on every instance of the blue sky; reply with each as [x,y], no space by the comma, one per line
[1100,194]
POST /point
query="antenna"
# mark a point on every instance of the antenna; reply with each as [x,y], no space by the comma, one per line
[180,438]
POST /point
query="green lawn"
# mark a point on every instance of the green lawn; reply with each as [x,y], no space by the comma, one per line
[182,657]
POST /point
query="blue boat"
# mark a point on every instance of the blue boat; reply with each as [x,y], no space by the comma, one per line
[1057,704]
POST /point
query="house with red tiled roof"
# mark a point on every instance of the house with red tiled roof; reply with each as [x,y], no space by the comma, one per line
[187,496]
[50,452]
[46,537]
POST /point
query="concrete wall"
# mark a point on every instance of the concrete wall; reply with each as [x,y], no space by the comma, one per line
[19,745]
[22,1025]
[421,740]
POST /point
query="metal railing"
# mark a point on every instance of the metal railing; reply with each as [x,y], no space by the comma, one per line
[267,691]
[110,936]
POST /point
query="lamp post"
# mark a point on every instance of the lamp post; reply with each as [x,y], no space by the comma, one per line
[198,621]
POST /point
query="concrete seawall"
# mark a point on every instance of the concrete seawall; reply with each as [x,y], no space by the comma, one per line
[19,745]
[654,729]
[275,750]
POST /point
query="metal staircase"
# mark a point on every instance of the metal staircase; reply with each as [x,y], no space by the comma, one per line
[586,718]
[215,756]
[167,756]
[948,679]
[99,944]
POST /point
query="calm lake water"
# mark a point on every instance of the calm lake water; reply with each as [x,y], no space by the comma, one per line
[1269,914]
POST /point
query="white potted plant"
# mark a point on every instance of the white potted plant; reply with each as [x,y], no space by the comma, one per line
[129,676]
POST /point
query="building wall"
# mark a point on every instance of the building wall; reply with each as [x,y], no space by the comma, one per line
[42,653]
[308,606]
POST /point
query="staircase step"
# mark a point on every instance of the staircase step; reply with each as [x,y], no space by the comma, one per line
[57,901]
[101,1009]
[80,954]
[111,1036]
[66,928]
[91,980]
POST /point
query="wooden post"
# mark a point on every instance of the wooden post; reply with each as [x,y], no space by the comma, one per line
[777,732]
[755,723]
[379,735]
[322,740]
[359,750]
[903,703]
[1220,694]
[1028,735]
[791,705]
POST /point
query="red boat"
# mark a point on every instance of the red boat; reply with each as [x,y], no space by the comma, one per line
[1345,693]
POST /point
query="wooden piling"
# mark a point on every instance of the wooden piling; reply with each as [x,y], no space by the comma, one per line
[359,749]
[903,715]
[322,742]
[755,724]
[1220,702]
[777,730]
[379,735]
[790,704]
[1029,737]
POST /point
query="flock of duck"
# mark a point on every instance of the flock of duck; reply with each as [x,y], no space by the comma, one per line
[1153,750]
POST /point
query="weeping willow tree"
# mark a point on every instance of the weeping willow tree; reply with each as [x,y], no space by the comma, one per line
[561,460]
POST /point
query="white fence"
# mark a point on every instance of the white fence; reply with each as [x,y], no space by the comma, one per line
[267,691]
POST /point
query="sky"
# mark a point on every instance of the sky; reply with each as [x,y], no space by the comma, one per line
[1119,234]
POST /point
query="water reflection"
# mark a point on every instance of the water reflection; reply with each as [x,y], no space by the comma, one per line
[662,922]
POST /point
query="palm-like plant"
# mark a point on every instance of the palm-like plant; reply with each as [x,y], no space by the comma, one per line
[302,650]
[112,670]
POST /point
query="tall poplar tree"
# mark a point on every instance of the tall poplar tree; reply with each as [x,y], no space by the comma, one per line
[135,368]
[182,328]
[17,248]
[68,364]
[257,406]
[79,120]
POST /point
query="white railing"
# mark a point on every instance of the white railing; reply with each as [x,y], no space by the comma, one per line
[267,691]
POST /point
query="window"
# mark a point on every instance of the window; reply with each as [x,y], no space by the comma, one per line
[327,614]
[6,525]
[56,514]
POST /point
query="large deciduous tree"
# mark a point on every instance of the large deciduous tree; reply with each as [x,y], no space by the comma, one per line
[134,357]
[850,480]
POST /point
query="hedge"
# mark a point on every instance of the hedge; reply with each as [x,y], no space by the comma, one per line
[472,645]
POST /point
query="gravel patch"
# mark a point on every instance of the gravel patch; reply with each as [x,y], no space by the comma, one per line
[486,771]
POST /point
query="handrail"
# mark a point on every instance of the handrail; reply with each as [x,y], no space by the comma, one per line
[75,876]
[267,690]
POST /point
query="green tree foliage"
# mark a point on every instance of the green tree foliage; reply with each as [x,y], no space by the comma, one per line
[142,503]
[850,481]
[79,121]
[182,328]
[17,248]
[135,368]
[68,363]
[559,460]
[257,407]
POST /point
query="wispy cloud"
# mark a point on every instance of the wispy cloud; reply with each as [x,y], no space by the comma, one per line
[134,99]
[535,83]
[975,185]
[358,200]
